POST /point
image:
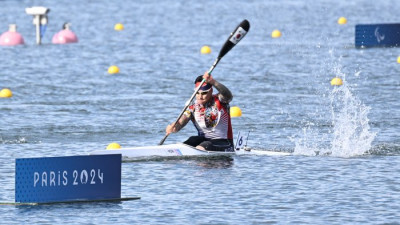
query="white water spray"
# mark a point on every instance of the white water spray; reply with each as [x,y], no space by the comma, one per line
[351,131]
[349,134]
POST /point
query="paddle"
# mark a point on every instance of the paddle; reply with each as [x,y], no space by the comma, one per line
[233,39]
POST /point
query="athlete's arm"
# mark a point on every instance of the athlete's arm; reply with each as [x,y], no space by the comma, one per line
[224,94]
[175,127]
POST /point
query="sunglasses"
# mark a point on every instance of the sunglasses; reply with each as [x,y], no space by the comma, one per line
[202,93]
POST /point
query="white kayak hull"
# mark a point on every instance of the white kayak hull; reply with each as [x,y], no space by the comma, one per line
[261,152]
[178,150]
[172,150]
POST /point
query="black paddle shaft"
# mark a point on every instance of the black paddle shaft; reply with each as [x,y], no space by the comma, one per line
[237,35]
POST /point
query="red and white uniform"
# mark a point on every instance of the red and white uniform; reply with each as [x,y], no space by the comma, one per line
[212,121]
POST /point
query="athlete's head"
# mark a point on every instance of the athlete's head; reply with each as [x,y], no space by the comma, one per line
[205,92]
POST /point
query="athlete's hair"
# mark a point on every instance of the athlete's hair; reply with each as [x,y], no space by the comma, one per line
[198,79]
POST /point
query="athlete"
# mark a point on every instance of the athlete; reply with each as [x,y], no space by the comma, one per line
[210,115]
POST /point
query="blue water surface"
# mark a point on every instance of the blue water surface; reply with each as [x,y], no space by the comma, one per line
[65,103]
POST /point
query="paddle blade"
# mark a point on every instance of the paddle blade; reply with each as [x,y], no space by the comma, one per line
[235,37]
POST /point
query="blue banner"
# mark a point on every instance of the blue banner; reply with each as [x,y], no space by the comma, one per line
[377,35]
[71,178]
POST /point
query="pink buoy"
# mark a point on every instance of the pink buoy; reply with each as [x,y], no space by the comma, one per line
[11,37]
[65,36]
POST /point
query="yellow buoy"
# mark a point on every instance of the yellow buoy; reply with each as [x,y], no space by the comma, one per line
[113,70]
[113,146]
[235,111]
[276,34]
[118,27]
[336,81]
[5,93]
[342,20]
[205,50]
[398,59]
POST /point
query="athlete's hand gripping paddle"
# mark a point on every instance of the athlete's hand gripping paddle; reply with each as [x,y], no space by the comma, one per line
[233,39]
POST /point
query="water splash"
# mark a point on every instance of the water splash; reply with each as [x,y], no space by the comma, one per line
[309,143]
[349,133]
[351,130]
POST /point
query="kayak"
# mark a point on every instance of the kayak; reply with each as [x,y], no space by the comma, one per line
[178,150]
[182,150]
[171,150]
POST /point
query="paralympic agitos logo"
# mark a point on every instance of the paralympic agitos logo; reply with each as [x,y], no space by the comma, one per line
[379,37]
